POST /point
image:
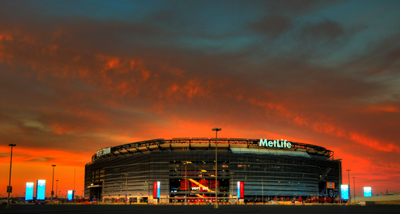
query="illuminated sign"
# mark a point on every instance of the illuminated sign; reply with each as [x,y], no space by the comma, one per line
[240,188]
[345,191]
[330,185]
[275,143]
[70,195]
[103,152]
[367,191]
[200,188]
[41,190]
[201,185]
[29,191]
[156,189]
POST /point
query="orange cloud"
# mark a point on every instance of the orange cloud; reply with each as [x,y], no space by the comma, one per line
[383,108]
[387,147]
[61,128]
[6,36]
[329,129]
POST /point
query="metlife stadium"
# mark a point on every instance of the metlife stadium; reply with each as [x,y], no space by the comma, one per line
[184,168]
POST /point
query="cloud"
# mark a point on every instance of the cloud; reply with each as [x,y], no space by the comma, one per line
[325,30]
[299,8]
[272,25]
[41,159]
[379,57]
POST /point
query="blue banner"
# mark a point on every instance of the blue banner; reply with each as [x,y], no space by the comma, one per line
[29,191]
[345,191]
[158,189]
[70,195]
[41,190]
[367,191]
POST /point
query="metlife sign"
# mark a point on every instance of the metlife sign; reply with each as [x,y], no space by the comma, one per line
[103,152]
[275,144]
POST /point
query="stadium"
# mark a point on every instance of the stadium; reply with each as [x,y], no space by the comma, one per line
[183,170]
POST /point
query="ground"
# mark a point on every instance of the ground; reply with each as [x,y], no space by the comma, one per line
[201,209]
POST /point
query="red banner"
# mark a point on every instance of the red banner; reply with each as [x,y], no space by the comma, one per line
[155,189]
[241,189]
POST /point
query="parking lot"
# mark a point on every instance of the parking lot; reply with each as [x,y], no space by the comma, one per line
[201,209]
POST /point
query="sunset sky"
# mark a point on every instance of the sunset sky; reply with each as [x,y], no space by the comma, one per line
[77,76]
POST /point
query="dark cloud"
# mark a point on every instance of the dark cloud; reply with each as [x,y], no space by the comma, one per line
[381,56]
[299,7]
[325,30]
[273,25]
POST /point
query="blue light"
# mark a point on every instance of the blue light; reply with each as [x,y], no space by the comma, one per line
[158,189]
[345,191]
[367,191]
[70,195]
[29,191]
[238,189]
[41,190]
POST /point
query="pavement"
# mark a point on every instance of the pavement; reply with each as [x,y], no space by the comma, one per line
[199,209]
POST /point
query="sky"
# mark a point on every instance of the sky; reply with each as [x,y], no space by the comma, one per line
[78,76]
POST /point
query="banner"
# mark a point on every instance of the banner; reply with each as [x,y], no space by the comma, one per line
[29,191]
[41,190]
[156,189]
[344,192]
[367,191]
[70,195]
[240,189]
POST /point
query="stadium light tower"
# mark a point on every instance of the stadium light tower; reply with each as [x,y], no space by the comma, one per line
[9,188]
[354,186]
[52,185]
[216,175]
[56,188]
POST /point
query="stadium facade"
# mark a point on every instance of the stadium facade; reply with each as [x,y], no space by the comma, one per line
[185,168]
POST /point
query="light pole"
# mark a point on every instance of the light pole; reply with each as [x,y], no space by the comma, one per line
[216,175]
[354,187]
[52,185]
[56,188]
[9,188]
[349,185]
[340,181]
[186,184]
